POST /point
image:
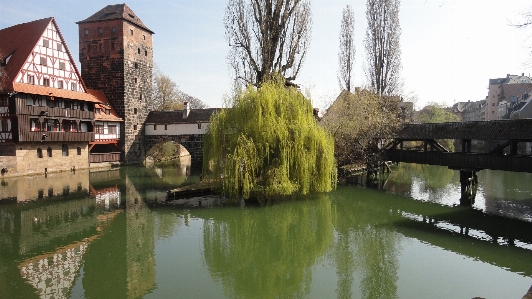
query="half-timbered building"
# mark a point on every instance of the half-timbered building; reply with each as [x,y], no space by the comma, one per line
[46,111]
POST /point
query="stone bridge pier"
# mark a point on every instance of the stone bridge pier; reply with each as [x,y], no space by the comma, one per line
[193,143]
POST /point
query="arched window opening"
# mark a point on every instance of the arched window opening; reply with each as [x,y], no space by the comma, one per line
[49,151]
[39,153]
[64,148]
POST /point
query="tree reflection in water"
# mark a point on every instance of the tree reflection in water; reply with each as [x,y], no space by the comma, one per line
[268,251]
[365,244]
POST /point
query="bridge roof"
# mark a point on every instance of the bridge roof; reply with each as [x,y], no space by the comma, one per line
[176,117]
[520,129]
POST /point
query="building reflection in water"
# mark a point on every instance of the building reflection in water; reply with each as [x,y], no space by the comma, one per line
[63,228]
[53,274]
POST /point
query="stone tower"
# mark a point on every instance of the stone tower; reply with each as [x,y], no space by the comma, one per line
[116,55]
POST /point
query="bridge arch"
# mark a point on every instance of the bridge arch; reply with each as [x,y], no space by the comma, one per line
[192,143]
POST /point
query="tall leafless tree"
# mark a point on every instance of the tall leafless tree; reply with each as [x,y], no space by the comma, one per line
[526,23]
[166,94]
[383,50]
[346,55]
[266,37]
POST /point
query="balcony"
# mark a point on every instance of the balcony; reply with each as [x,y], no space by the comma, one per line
[104,157]
[37,136]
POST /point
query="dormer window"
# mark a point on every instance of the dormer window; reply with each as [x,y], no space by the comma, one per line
[108,111]
[97,110]
[5,61]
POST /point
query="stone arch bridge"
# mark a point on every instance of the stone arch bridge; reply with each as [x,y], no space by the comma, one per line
[192,142]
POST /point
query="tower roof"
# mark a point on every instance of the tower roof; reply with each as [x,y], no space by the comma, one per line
[116,12]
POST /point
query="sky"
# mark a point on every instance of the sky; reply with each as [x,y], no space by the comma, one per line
[450,49]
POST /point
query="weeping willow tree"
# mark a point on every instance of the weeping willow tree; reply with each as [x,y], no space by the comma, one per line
[269,145]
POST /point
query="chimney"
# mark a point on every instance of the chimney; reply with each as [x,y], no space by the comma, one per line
[186,110]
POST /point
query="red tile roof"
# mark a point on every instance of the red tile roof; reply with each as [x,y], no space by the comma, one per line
[103,104]
[55,92]
[114,12]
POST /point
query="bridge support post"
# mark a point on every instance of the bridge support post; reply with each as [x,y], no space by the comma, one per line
[468,181]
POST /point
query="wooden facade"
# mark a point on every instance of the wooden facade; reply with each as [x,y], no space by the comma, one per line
[104,157]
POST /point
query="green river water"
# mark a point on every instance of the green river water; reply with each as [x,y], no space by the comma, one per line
[102,235]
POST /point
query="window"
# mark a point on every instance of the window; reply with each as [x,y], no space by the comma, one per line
[145,52]
[5,126]
[99,129]
[112,130]
[199,126]
[135,127]
[136,65]
[75,105]
[59,47]
[62,66]
[134,110]
[78,150]
[45,43]
[130,31]
[86,31]
[73,86]
[43,60]
[49,152]
[50,192]
[97,110]
[60,84]
[113,29]
[155,127]
[46,81]
[165,127]
[34,125]
[66,104]
[39,153]
[100,30]
[108,111]
[31,79]
[138,50]
[135,80]
[144,37]
[64,150]
[49,125]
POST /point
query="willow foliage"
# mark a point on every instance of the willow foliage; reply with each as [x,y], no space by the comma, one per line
[269,145]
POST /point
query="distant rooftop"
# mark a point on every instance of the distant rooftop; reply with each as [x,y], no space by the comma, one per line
[511,79]
[115,12]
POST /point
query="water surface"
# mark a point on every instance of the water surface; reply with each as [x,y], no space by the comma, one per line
[97,235]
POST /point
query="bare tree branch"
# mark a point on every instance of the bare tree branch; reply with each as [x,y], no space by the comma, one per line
[266,37]
[383,51]
[346,55]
